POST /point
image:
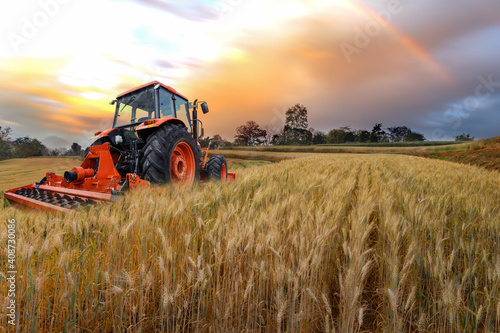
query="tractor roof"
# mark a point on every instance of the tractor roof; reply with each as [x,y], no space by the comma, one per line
[172,90]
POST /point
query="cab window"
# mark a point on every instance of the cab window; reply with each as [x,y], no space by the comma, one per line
[182,111]
[166,104]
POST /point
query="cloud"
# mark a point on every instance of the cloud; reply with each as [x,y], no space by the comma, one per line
[188,10]
[386,82]
[38,104]
[261,58]
[54,141]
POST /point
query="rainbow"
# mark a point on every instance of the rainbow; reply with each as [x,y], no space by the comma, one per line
[411,45]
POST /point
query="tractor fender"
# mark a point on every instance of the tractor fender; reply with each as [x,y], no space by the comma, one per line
[150,126]
[108,135]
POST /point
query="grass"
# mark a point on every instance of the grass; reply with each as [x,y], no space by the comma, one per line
[235,164]
[482,153]
[249,155]
[18,172]
[342,242]
[384,147]
[399,144]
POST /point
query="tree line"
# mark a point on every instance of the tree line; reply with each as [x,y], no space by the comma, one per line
[297,132]
[30,147]
[294,132]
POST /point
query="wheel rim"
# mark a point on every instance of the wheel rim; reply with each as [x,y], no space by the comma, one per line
[223,173]
[182,167]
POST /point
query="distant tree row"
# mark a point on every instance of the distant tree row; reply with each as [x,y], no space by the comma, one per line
[296,132]
[464,137]
[30,147]
[215,142]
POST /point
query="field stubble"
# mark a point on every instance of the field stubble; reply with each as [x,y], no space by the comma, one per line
[344,243]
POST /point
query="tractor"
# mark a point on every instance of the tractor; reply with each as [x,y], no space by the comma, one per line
[154,140]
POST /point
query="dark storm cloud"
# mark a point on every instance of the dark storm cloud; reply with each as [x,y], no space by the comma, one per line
[388,80]
[385,81]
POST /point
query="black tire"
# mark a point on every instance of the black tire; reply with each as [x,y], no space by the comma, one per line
[215,166]
[157,153]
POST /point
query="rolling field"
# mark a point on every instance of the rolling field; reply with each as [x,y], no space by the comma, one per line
[321,243]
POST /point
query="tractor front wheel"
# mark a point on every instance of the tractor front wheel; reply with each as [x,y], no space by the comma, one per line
[216,168]
[170,156]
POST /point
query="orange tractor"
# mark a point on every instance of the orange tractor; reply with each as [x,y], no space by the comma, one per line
[154,140]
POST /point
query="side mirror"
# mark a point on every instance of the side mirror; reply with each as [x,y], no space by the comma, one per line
[204,107]
[113,102]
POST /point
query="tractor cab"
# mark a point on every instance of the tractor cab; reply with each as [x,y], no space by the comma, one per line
[139,110]
[152,101]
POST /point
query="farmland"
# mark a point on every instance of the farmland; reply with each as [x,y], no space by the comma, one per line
[482,153]
[30,170]
[318,243]
[380,147]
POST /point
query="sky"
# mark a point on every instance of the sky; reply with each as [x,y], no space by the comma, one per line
[433,66]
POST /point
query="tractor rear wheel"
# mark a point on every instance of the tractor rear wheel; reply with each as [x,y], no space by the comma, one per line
[216,168]
[170,156]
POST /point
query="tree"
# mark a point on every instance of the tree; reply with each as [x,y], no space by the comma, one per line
[76,149]
[278,139]
[362,136]
[5,133]
[271,131]
[377,134]
[250,134]
[295,130]
[341,135]
[335,136]
[296,117]
[349,135]
[464,137]
[319,138]
[55,152]
[218,141]
[414,136]
[399,133]
[5,145]
[27,147]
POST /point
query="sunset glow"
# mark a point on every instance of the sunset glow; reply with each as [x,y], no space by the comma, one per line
[350,62]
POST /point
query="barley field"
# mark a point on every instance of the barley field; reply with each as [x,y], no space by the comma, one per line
[324,243]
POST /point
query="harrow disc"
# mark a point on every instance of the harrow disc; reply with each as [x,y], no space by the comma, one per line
[53,198]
